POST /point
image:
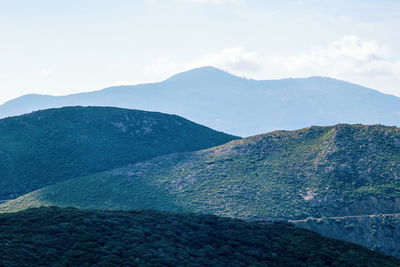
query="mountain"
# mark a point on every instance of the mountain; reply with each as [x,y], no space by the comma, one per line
[317,171]
[49,146]
[70,237]
[237,105]
[342,170]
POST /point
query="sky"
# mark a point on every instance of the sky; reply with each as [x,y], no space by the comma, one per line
[59,47]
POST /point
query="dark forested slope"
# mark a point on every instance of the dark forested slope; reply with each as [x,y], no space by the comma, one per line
[70,237]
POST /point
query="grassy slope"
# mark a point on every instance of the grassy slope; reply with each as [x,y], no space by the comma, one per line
[317,171]
[70,237]
[50,146]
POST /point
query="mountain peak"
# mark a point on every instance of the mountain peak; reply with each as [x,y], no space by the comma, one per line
[197,74]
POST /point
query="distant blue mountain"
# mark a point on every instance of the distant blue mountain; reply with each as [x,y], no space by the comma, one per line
[236,105]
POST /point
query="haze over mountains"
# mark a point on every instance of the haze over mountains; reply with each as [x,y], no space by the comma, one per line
[345,176]
[235,105]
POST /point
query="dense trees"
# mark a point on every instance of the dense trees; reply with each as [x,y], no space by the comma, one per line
[71,237]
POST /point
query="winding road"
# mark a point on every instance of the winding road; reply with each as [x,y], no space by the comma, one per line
[344,217]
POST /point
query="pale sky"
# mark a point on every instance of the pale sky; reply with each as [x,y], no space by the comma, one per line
[59,47]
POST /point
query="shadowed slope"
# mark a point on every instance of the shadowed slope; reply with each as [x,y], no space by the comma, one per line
[70,237]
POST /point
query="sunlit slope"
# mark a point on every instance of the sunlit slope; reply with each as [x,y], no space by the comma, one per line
[317,171]
[50,146]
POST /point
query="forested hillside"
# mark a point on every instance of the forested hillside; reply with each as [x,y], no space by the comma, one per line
[49,146]
[70,237]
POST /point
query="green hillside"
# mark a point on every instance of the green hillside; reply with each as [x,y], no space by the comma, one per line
[317,171]
[49,146]
[70,237]
[314,172]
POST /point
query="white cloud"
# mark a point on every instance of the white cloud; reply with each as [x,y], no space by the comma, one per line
[126,82]
[44,73]
[349,55]
[208,1]
[212,1]
[235,59]
[349,58]
[198,1]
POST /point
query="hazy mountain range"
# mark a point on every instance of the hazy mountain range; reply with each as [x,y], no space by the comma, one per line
[235,105]
[341,181]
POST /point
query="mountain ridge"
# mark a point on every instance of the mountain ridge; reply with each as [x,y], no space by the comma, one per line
[236,105]
[52,145]
[338,171]
[353,167]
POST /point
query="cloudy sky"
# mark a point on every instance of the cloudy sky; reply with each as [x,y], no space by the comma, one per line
[59,47]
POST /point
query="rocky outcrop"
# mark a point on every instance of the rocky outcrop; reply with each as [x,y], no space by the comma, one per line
[377,232]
